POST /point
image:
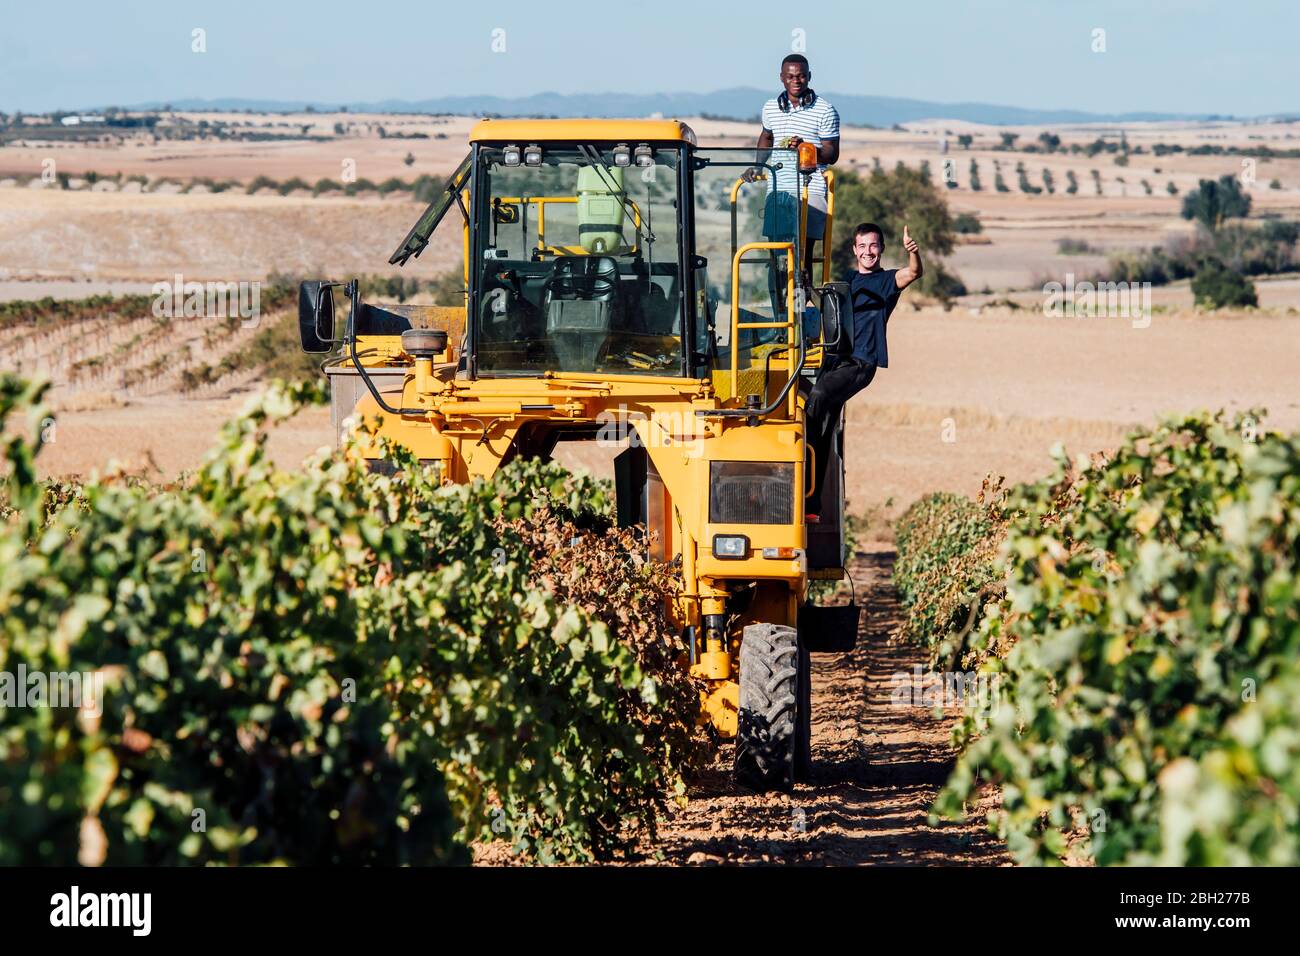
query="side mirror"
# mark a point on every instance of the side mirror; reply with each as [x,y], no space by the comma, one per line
[316,315]
[837,318]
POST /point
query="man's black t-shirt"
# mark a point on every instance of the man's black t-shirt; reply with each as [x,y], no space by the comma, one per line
[874,295]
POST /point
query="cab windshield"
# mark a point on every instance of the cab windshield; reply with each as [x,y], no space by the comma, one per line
[578,260]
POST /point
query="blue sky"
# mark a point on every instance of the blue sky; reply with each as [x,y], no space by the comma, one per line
[1188,56]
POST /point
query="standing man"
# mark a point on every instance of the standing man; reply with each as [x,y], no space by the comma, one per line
[874,292]
[797,115]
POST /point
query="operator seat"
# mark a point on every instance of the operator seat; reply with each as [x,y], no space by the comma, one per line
[579,301]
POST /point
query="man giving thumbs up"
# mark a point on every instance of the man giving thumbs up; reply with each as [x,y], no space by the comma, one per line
[874,292]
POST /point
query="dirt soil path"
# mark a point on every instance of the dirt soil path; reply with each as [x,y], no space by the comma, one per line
[877,767]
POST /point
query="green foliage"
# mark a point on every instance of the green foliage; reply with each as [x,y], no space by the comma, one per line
[1025,185]
[1267,249]
[334,665]
[1213,201]
[967,224]
[1215,286]
[261,182]
[946,544]
[1070,246]
[1148,643]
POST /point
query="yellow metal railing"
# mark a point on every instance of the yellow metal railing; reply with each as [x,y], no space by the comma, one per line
[791,325]
[826,249]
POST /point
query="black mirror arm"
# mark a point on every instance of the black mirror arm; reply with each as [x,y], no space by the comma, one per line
[353,295]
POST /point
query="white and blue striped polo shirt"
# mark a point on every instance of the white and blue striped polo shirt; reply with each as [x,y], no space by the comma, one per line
[812,124]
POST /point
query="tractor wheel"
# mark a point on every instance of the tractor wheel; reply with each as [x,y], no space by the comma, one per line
[769,707]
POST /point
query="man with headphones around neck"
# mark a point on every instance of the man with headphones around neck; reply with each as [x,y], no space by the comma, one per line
[796,116]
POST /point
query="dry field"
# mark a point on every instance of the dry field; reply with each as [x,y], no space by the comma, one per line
[1003,385]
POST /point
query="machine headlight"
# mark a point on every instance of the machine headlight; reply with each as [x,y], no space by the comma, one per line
[622,155]
[730,546]
[751,492]
[510,156]
[533,155]
[645,156]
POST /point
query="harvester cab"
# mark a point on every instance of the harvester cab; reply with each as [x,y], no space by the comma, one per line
[624,285]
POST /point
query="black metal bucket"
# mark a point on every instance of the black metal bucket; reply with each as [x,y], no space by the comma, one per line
[832,629]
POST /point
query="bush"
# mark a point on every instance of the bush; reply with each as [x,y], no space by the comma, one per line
[1215,286]
[262,182]
[967,224]
[1149,638]
[334,665]
[946,544]
[1074,247]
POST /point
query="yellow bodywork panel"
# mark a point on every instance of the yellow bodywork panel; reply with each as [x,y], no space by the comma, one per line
[580,130]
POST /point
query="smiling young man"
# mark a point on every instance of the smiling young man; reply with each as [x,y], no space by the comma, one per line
[795,116]
[874,292]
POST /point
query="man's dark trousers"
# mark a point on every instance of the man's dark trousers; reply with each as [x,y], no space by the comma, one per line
[834,387]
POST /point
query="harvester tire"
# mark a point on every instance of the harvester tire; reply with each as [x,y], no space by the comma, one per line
[768,728]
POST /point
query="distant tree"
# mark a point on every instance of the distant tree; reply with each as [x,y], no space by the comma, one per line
[1025,185]
[999,183]
[1051,142]
[1048,182]
[339,129]
[966,224]
[1275,183]
[1008,141]
[1072,182]
[408,159]
[1171,188]
[975,176]
[965,140]
[1213,201]
[925,170]
[1147,187]
[1096,181]
[1121,159]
